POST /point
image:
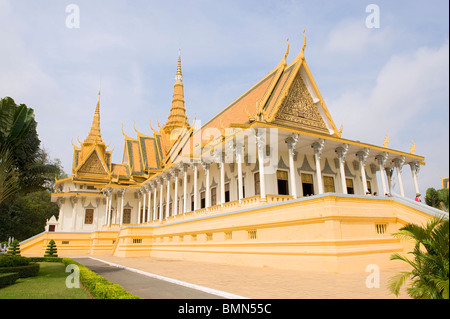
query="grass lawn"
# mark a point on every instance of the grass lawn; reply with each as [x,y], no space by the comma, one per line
[49,284]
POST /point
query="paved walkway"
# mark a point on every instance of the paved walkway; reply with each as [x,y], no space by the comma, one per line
[263,283]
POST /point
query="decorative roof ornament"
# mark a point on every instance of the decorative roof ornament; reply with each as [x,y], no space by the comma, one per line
[413,147]
[302,52]
[386,140]
[95,136]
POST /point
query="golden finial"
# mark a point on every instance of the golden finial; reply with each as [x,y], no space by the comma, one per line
[339,133]
[413,147]
[179,76]
[283,61]
[302,52]
[386,140]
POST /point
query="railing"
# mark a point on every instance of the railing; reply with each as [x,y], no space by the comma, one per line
[247,202]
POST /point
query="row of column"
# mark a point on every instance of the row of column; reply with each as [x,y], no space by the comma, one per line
[155,188]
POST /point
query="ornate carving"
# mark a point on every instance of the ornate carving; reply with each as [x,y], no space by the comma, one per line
[298,107]
[92,166]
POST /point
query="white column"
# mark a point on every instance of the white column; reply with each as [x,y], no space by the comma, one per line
[195,186]
[168,196]
[318,148]
[74,202]
[342,152]
[292,142]
[239,148]
[261,143]
[362,157]
[175,196]
[107,192]
[205,166]
[415,167]
[139,194]
[381,162]
[161,199]
[122,193]
[398,167]
[149,203]
[144,195]
[185,198]
[222,182]
[155,200]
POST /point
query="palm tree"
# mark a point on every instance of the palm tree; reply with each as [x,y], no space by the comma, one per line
[430,266]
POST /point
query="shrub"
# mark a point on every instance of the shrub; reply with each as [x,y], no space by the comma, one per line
[45,259]
[51,249]
[99,287]
[14,249]
[13,261]
[8,279]
[30,270]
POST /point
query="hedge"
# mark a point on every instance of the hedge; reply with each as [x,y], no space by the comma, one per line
[99,287]
[13,261]
[45,259]
[8,279]
[24,271]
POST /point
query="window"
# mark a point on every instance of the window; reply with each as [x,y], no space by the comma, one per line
[137,240]
[213,196]
[170,209]
[127,216]
[51,228]
[349,183]
[192,203]
[90,187]
[209,236]
[380,228]
[307,184]
[228,235]
[252,234]
[89,216]
[227,192]
[257,184]
[328,184]
[202,200]
[282,182]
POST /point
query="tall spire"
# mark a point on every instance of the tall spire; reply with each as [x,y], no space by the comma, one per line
[177,117]
[95,135]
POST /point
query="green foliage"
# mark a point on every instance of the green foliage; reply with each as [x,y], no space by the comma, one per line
[27,174]
[14,249]
[443,195]
[30,270]
[8,176]
[8,279]
[45,259]
[51,250]
[431,198]
[99,287]
[12,261]
[430,265]
[26,215]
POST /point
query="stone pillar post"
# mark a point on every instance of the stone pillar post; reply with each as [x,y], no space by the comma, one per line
[381,162]
[342,152]
[362,157]
[292,142]
[415,167]
[318,148]
[261,143]
[398,167]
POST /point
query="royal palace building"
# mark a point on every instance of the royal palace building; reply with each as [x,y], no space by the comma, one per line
[268,181]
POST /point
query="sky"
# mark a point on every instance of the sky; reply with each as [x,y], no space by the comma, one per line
[382,71]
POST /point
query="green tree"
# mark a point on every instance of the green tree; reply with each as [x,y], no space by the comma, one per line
[431,198]
[51,250]
[14,249]
[443,198]
[430,266]
[26,214]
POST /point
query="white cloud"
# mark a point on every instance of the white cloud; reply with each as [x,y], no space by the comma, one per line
[409,101]
[353,37]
